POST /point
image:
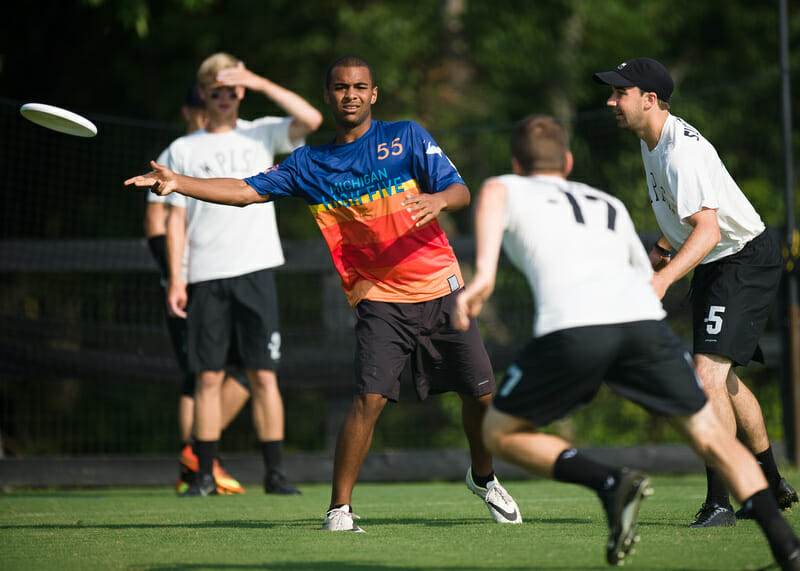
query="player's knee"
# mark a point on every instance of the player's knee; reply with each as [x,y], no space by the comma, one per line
[368,406]
[703,429]
[262,379]
[208,381]
[713,370]
[480,403]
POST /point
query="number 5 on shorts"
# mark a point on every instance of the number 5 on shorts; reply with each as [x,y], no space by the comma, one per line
[714,319]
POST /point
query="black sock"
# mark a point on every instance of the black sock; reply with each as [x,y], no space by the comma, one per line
[273,455]
[482,481]
[575,468]
[205,451]
[765,511]
[717,492]
[767,462]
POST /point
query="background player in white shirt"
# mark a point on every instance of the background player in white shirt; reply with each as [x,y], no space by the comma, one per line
[717,233]
[597,320]
[228,255]
[235,389]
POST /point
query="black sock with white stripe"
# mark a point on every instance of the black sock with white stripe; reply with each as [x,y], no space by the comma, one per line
[576,468]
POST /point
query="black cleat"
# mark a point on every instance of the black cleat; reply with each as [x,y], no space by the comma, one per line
[203,485]
[275,482]
[744,513]
[186,478]
[785,495]
[714,515]
[622,504]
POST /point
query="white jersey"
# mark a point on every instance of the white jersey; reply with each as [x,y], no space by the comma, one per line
[226,241]
[580,253]
[684,175]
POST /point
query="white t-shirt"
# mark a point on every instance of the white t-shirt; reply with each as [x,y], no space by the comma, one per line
[684,175]
[580,253]
[227,241]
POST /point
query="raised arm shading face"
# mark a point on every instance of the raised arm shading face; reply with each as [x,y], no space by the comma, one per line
[305,118]
[232,191]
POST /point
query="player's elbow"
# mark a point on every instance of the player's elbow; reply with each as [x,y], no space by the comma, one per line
[717,236]
[458,198]
[246,195]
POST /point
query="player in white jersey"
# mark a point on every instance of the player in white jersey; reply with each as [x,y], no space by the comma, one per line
[229,252]
[716,233]
[597,320]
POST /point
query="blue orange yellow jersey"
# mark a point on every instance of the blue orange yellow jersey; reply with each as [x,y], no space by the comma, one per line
[355,193]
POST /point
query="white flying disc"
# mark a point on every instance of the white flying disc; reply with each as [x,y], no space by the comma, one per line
[58,119]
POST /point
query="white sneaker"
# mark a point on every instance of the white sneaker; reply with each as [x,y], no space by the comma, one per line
[500,503]
[341,519]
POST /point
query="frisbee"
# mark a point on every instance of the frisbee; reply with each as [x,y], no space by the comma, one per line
[58,119]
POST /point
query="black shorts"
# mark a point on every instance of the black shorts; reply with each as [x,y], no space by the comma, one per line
[732,299]
[443,359]
[643,361]
[235,316]
[176,326]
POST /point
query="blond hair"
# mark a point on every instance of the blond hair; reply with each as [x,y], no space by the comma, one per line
[212,65]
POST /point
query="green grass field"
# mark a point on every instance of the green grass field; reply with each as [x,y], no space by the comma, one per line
[430,526]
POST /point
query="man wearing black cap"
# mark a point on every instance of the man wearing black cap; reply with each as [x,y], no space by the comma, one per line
[715,231]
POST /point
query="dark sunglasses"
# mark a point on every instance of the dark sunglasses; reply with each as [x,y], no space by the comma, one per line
[218,94]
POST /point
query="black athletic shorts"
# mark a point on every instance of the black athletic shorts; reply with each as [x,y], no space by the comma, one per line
[732,299]
[443,359]
[177,334]
[176,326]
[643,361]
[238,314]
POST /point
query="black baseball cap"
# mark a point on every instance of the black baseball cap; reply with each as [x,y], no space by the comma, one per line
[642,72]
[193,98]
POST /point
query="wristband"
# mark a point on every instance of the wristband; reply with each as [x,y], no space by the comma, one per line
[158,248]
[663,251]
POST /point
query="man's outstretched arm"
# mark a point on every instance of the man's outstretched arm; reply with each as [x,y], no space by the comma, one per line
[163,181]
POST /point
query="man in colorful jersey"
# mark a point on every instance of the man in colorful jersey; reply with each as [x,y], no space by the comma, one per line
[597,321]
[375,192]
[704,215]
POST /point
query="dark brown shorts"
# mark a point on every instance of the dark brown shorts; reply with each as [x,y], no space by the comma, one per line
[443,359]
